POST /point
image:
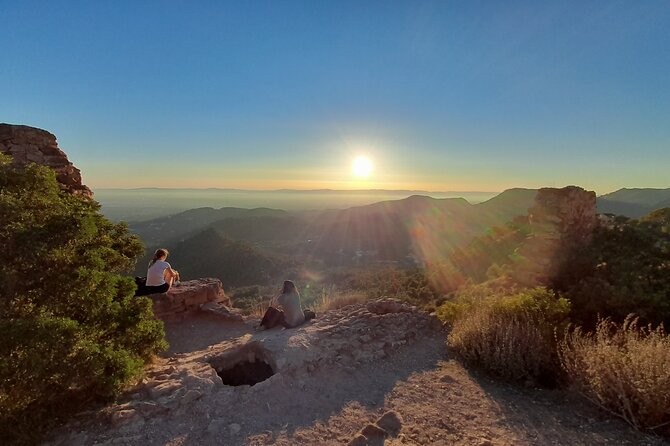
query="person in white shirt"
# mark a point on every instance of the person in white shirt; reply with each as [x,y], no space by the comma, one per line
[160,275]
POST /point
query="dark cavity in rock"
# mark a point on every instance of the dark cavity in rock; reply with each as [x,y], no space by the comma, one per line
[245,365]
[246,373]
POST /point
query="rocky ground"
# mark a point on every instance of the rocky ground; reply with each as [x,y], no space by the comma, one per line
[375,373]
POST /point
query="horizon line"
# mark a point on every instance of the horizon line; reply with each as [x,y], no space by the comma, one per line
[300,190]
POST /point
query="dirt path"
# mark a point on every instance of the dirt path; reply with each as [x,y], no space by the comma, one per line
[439,402]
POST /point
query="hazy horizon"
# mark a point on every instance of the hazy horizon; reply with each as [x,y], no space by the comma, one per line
[147,203]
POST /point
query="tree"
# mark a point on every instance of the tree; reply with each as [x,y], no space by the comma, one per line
[624,269]
[71,329]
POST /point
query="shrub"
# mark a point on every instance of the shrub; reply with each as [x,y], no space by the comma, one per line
[460,301]
[511,336]
[250,298]
[623,369]
[71,330]
[334,300]
[416,286]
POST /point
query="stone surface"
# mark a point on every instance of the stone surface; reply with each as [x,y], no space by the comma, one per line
[216,426]
[358,440]
[373,432]
[187,384]
[190,297]
[390,422]
[29,144]
[122,417]
[222,311]
[191,396]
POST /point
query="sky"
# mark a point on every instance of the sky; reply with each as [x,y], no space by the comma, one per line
[440,96]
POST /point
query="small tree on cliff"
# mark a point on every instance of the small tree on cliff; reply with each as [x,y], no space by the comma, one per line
[70,329]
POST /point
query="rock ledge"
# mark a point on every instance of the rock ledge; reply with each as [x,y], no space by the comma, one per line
[191,297]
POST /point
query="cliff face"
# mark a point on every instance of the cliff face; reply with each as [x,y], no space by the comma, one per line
[32,145]
[569,212]
[560,220]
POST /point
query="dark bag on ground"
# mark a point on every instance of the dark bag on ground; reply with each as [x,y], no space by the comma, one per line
[273,318]
[142,289]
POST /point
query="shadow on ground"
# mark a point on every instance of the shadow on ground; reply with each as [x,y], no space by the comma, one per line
[308,413]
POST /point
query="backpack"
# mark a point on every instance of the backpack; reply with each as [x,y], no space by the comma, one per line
[141,283]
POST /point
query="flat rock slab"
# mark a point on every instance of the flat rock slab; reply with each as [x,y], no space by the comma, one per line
[190,297]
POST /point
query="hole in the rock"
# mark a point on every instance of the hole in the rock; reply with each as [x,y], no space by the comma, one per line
[245,365]
[246,373]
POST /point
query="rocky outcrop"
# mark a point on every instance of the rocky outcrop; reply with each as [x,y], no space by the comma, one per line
[193,296]
[560,220]
[567,213]
[312,361]
[32,145]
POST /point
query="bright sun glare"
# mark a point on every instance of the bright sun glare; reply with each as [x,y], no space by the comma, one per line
[362,167]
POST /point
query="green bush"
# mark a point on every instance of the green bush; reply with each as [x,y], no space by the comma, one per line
[71,329]
[461,300]
[511,336]
[624,269]
[623,369]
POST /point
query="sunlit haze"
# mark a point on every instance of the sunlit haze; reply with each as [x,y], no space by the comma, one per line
[443,96]
[362,167]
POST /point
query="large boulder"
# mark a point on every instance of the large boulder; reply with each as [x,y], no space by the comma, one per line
[32,145]
[190,297]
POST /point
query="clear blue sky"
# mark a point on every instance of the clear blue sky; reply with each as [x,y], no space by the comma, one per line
[439,95]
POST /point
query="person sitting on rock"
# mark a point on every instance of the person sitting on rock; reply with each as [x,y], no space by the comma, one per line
[160,275]
[285,309]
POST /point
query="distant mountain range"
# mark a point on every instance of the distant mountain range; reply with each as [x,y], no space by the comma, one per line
[235,244]
[261,245]
[633,203]
[134,205]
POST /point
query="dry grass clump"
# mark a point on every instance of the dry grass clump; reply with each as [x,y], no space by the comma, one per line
[511,347]
[259,308]
[623,369]
[336,300]
[511,336]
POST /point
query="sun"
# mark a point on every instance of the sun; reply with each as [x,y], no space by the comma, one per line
[362,167]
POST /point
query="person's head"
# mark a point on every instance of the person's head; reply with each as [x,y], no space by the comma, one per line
[288,287]
[160,254]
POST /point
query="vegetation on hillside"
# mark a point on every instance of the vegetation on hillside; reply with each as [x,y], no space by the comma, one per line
[235,263]
[625,269]
[466,263]
[71,330]
[510,335]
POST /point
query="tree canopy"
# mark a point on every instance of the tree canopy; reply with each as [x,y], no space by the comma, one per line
[71,329]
